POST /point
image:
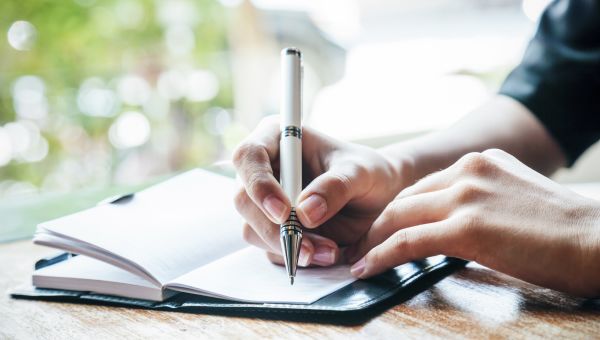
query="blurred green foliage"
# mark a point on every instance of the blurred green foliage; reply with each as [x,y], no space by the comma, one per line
[107,40]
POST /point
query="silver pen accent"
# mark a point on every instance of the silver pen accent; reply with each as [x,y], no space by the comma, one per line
[291,238]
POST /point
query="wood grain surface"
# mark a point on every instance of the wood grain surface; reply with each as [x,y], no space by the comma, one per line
[473,303]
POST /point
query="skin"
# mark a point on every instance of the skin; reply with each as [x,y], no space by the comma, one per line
[490,208]
[381,208]
[347,187]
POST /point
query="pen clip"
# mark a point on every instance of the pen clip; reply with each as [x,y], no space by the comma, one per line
[117,199]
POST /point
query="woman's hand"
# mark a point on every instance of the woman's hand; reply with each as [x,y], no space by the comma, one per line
[490,208]
[346,188]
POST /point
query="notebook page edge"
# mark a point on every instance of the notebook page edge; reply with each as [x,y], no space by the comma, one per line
[83,248]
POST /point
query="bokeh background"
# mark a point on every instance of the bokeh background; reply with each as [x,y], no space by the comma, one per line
[99,93]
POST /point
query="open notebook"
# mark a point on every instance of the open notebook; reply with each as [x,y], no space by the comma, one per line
[182,235]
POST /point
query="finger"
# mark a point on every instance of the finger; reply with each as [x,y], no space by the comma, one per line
[504,158]
[276,258]
[406,245]
[500,154]
[252,238]
[403,213]
[326,251]
[432,182]
[252,159]
[314,250]
[307,250]
[264,228]
[261,232]
[473,164]
[330,192]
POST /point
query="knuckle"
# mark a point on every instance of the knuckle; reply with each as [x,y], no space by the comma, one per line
[401,241]
[240,199]
[390,212]
[343,183]
[469,158]
[359,170]
[477,164]
[495,152]
[469,191]
[257,184]
[241,153]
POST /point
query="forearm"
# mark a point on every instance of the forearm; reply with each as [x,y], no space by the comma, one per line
[501,123]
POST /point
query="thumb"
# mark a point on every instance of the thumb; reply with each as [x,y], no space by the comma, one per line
[330,192]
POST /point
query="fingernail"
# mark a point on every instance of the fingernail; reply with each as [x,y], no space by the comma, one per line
[313,208]
[324,256]
[304,258]
[358,268]
[276,208]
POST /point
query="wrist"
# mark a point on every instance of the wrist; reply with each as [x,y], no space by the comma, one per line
[594,257]
[402,165]
[586,219]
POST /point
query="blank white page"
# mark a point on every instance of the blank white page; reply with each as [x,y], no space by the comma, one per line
[247,275]
[86,274]
[168,229]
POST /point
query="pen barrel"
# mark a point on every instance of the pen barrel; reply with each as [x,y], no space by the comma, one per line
[290,152]
[290,160]
[291,88]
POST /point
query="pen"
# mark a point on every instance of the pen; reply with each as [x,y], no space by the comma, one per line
[290,154]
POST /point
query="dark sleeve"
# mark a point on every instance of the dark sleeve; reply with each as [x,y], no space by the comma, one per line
[559,77]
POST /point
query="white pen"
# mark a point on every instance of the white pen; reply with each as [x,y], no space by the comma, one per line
[290,154]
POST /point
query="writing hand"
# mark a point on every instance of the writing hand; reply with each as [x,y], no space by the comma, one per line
[346,188]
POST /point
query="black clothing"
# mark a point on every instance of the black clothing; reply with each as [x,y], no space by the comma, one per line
[559,77]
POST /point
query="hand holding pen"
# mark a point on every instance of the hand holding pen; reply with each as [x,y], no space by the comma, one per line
[347,187]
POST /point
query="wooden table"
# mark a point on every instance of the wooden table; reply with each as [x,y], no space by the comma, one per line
[475,302]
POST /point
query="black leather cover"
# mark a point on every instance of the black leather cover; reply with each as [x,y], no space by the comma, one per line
[354,303]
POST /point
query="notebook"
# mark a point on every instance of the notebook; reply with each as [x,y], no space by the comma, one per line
[177,246]
[182,235]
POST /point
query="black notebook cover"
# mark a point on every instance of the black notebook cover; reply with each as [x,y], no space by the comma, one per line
[354,303]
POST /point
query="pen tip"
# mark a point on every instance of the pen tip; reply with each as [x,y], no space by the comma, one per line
[291,280]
